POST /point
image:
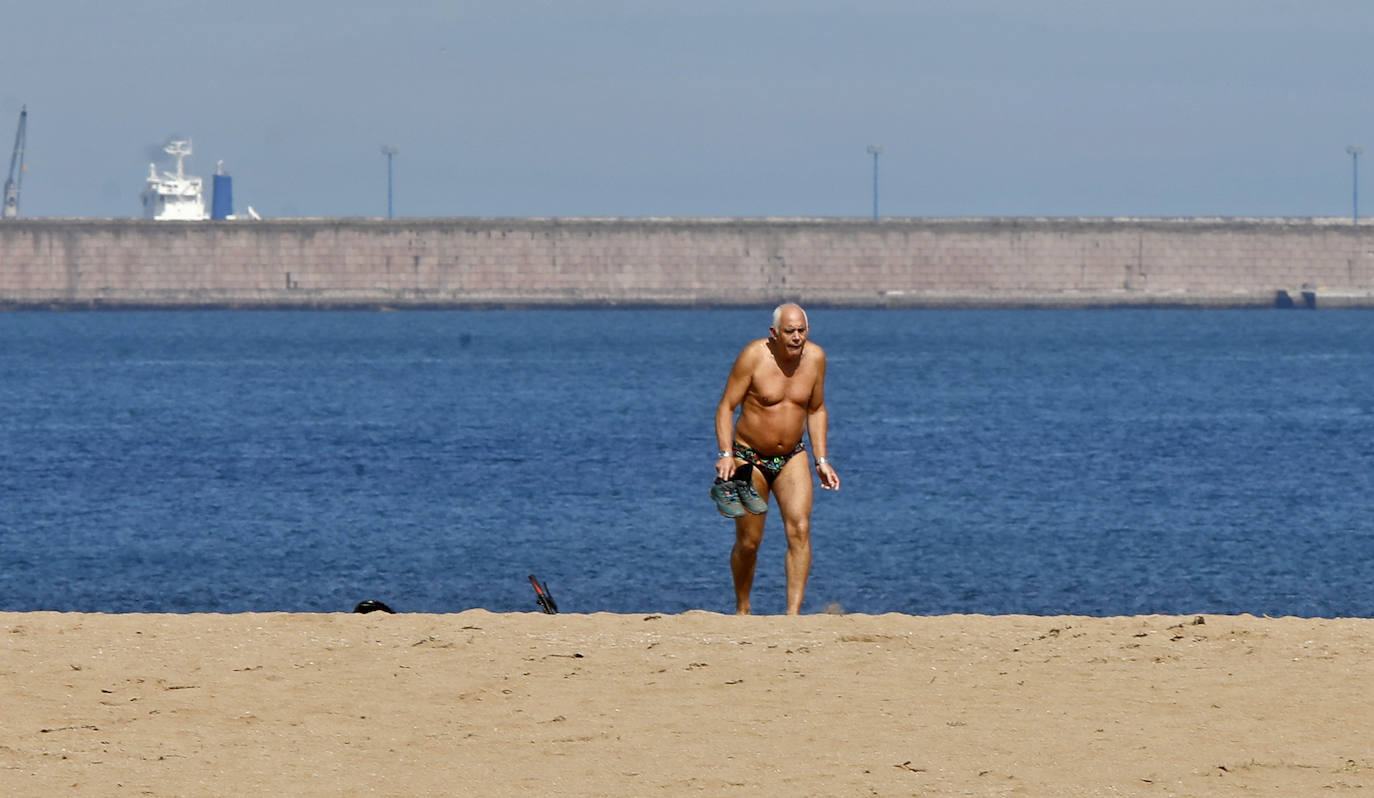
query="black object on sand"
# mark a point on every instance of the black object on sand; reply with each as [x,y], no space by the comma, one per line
[542,595]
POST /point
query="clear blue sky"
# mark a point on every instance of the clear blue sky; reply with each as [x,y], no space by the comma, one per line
[699,108]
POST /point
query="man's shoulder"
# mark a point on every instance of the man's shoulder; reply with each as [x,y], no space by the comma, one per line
[754,350]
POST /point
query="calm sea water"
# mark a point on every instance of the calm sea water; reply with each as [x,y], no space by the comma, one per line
[1094,462]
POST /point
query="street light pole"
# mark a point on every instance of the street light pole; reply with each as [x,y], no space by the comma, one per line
[1354,151]
[875,151]
[388,151]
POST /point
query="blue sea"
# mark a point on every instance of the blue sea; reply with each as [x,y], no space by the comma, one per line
[1089,462]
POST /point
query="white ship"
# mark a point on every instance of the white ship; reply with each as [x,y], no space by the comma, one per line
[180,197]
[170,196]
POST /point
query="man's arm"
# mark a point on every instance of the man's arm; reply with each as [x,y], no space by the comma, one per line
[817,422]
[736,386]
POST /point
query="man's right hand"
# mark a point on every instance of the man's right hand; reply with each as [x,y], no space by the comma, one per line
[725,467]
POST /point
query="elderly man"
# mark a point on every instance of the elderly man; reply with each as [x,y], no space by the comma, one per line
[778,383]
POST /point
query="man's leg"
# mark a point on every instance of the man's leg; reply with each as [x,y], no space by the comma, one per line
[793,490]
[745,554]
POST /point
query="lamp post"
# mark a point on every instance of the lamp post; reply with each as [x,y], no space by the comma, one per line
[875,151]
[388,151]
[1354,151]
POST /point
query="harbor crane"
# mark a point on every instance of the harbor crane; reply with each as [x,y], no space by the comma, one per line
[16,175]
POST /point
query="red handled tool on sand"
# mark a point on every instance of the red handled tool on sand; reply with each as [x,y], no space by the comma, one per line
[542,595]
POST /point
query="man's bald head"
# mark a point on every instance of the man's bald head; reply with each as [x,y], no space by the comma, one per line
[780,309]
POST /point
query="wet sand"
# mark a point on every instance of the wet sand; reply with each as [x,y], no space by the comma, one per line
[484,704]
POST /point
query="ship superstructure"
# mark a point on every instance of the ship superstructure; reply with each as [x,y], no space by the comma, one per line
[174,196]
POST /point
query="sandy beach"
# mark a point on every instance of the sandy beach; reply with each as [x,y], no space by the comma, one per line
[484,704]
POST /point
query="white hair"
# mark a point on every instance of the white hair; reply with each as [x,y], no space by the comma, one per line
[777,314]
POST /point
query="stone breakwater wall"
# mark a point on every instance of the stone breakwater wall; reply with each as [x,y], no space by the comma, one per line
[468,262]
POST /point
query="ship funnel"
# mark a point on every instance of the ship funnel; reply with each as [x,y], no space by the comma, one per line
[221,194]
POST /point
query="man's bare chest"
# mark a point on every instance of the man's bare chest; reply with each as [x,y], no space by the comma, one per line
[771,387]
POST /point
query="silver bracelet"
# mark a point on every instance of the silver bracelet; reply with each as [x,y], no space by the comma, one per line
[722,453]
[820,461]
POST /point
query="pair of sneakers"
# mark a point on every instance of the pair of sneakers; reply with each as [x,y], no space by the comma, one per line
[734,497]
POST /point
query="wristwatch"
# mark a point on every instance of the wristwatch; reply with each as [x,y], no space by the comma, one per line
[820,461]
[722,453]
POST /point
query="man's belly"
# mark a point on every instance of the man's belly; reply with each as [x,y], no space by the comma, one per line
[771,431]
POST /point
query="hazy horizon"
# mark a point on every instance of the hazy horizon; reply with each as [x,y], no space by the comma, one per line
[606,108]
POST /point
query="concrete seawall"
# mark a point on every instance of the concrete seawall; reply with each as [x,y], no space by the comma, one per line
[464,262]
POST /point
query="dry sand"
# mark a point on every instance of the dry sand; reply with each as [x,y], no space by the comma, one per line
[485,704]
